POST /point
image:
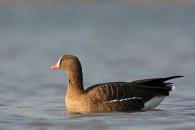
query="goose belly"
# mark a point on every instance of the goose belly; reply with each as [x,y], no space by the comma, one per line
[154,102]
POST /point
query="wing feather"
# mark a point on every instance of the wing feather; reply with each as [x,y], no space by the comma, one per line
[115,94]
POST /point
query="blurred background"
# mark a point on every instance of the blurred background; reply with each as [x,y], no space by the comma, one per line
[119,40]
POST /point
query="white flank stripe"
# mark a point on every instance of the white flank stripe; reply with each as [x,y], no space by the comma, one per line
[123,99]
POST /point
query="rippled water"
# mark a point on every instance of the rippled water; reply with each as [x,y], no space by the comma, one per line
[115,42]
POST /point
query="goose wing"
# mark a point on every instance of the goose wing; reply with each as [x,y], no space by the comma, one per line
[130,95]
[116,96]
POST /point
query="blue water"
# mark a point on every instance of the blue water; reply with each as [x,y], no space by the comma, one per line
[114,42]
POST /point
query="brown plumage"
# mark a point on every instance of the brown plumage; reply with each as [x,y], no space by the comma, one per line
[112,96]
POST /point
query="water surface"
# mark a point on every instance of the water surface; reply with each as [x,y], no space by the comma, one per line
[114,42]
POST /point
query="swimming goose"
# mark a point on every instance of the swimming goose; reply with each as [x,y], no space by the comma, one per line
[112,96]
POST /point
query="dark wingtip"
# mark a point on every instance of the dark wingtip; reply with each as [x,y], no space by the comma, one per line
[178,76]
[172,77]
[181,76]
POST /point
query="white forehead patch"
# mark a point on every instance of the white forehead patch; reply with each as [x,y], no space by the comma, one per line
[58,63]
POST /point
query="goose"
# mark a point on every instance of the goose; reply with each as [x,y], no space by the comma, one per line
[137,95]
